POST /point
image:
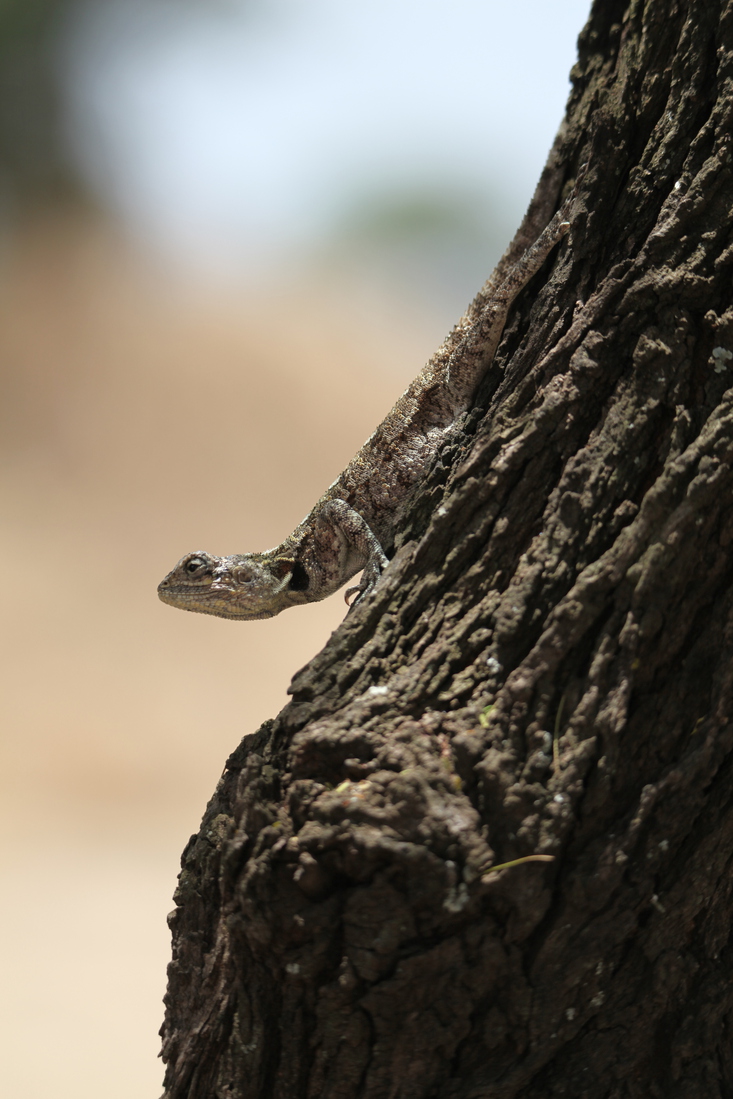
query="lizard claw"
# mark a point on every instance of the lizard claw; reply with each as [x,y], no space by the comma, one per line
[369,577]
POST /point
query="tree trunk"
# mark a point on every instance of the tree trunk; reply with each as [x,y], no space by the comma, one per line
[545,669]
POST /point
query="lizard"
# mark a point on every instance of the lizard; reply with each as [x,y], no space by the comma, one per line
[356,517]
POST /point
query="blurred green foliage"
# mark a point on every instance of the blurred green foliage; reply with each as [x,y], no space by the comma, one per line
[33,167]
[22,19]
[414,215]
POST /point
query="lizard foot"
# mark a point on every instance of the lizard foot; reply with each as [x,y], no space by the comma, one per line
[368,580]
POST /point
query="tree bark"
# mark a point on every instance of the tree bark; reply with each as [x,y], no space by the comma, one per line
[546,669]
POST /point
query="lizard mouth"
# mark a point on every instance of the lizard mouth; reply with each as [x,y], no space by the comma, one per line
[208,601]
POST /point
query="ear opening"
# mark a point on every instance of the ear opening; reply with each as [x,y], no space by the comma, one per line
[300,579]
[282,567]
[290,570]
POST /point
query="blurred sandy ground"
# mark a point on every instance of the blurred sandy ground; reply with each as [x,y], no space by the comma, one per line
[140,423]
[140,419]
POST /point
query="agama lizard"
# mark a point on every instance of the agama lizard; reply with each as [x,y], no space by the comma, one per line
[346,530]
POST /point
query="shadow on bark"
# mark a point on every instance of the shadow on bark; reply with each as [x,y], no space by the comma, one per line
[545,669]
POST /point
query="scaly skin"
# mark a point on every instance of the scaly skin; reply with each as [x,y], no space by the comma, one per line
[357,515]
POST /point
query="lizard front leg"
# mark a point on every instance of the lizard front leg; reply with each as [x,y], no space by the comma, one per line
[344,538]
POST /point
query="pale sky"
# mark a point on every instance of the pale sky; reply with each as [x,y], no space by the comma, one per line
[230,130]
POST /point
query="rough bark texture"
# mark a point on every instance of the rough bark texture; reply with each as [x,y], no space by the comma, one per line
[546,669]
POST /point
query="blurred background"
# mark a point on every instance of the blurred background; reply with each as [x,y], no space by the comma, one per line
[231,231]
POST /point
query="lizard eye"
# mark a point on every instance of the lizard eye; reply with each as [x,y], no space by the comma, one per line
[194,565]
[243,575]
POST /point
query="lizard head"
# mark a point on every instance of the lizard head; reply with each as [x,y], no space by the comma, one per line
[242,586]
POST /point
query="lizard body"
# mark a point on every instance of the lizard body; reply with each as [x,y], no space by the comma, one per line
[356,516]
